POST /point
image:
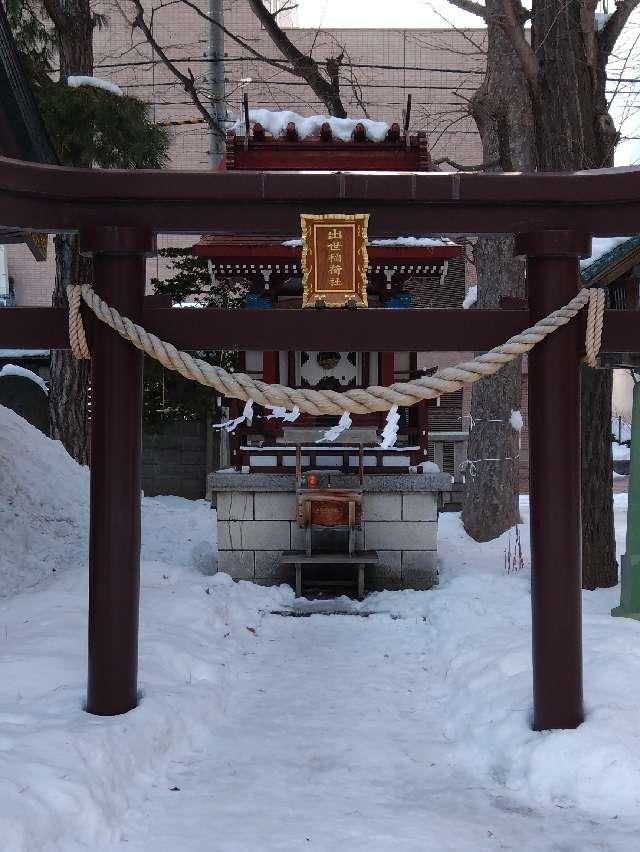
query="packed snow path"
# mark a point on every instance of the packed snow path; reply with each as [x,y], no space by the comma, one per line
[404,730]
[332,736]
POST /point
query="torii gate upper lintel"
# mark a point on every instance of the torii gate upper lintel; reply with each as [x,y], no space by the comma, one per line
[118,215]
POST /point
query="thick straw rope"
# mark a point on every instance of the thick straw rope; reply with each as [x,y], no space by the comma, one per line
[356,401]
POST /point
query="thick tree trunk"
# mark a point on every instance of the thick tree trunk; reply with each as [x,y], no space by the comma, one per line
[491,495]
[69,379]
[502,111]
[574,131]
[599,566]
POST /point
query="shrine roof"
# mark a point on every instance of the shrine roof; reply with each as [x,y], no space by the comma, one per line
[269,251]
[276,141]
[611,258]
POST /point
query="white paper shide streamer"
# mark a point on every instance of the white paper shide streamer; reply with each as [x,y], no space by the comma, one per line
[247,415]
[281,413]
[331,434]
[390,431]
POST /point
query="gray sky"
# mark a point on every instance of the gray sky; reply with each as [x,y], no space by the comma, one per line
[382,13]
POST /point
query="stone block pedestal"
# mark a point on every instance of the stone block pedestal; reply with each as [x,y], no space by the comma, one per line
[257,520]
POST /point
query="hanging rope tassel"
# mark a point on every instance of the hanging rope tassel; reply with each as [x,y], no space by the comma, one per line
[595,321]
[77,336]
[355,401]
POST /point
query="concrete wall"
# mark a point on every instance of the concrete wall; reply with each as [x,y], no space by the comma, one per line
[174,461]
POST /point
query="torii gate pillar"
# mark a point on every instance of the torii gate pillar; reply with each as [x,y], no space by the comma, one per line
[553,278]
[116,444]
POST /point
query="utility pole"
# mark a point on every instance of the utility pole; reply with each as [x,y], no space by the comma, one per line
[217,107]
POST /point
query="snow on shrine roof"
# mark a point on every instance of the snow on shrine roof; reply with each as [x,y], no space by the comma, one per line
[610,258]
[288,141]
[414,242]
[394,251]
[276,123]
[24,353]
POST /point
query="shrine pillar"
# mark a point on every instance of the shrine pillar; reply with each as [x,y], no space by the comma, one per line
[116,445]
[553,278]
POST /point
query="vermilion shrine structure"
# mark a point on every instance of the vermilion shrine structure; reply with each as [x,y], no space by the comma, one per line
[260,510]
[118,215]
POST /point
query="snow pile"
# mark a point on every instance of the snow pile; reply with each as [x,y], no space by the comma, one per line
[516,420]
[621,429]
[407,729]
[621,433]
[471,298]
[75,82]
[44,498]
[620,452]
[275,123]
[428,467]
[44,513]
[14,370]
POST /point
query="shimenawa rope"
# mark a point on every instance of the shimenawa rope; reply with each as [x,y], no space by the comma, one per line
[355,401]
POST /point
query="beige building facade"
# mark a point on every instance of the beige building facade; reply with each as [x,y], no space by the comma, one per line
[439,68]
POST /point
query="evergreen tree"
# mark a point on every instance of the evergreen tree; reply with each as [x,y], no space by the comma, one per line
[167,396]
[89,127]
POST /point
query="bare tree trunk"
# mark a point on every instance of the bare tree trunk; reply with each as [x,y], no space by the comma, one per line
[599,565]
[491,495]
[69,382]
[574,131]
[502,111]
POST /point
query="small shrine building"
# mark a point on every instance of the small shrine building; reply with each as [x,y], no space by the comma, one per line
[400,487]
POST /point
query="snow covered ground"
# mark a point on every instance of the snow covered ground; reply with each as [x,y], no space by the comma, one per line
[404,730]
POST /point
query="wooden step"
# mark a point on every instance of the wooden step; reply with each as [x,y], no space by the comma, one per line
[366,557]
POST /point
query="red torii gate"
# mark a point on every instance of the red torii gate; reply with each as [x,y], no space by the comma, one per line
[118,215]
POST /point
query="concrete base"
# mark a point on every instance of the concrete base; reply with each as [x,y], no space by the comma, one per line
[630,589]
[621,612]
[257,520]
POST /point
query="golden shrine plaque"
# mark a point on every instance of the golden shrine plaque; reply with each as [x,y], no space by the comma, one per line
[334,259]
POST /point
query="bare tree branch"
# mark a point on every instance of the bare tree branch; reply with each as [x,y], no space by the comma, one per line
[472,7]
[608,36]
[514,28]
[304,66]
[461,168]
[294,61]
[54,10]
[239,41]
[188,81]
